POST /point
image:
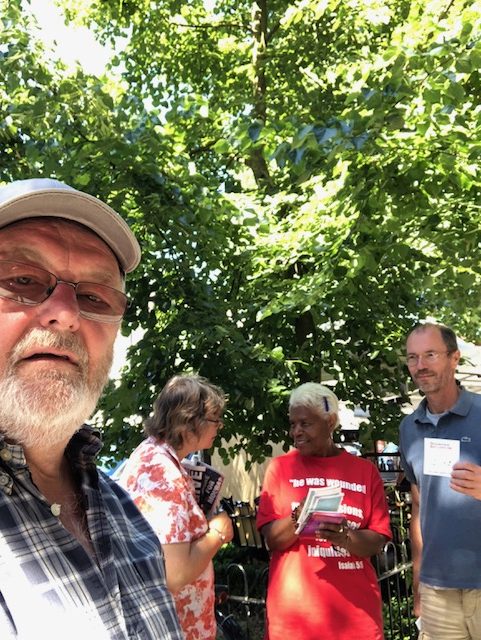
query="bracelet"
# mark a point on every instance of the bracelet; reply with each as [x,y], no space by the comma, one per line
[222,537]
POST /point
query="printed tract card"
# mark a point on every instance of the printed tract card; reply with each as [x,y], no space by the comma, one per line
[321,506]
[439,456]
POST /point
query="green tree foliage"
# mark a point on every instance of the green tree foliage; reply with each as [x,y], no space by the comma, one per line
[303,177]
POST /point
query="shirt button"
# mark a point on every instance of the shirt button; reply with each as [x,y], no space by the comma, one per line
[6,455]
[4,480]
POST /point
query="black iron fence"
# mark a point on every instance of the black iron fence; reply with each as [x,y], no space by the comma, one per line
[243,568]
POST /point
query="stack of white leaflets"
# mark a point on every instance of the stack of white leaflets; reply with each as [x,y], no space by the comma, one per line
[321,506]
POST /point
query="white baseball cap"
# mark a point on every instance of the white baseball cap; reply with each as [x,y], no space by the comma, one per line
[46,197]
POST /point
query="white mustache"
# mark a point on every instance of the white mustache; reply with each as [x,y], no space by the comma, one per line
[40,338]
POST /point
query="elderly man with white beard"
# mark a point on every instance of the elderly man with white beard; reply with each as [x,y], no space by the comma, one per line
[76,557]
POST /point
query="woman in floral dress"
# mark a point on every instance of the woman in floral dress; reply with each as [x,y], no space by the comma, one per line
[186,418]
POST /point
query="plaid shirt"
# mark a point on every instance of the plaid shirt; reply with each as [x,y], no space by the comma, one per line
[50,587]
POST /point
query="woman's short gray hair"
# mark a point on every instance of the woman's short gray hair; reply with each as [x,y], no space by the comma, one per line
[315,396]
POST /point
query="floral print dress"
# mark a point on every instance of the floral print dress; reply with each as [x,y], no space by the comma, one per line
[164,492]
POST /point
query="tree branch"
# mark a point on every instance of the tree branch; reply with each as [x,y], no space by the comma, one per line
[217,25]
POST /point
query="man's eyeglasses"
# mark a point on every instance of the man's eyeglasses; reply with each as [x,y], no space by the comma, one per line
[218,423]
[27,284]
[428,357]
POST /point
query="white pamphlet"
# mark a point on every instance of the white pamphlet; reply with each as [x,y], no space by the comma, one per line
[440,454]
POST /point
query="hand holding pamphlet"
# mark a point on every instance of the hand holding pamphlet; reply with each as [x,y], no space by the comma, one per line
[207,484]
[321,506]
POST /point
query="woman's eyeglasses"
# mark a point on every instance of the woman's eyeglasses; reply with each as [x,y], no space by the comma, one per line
[218,423]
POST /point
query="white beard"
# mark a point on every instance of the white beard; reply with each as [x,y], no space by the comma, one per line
[46,409]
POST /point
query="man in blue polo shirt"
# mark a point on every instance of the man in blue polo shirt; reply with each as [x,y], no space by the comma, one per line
[440,445]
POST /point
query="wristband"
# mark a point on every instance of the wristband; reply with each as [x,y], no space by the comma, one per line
[222,537]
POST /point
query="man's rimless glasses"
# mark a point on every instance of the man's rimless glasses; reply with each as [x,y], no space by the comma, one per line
[31,285]
[429,357]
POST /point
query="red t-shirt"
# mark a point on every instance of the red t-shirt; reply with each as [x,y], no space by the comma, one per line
[315,591]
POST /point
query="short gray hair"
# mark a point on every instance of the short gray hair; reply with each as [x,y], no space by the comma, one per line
[315,396]
[447,334]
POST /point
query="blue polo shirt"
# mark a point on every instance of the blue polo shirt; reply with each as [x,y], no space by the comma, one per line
[450,521]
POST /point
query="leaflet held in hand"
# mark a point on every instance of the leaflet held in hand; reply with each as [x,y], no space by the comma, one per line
[207,484]
[320,507]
